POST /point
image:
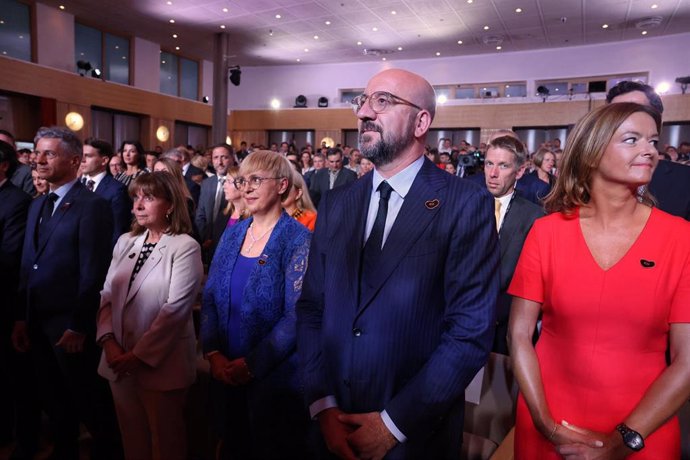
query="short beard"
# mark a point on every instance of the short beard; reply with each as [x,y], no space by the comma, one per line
[383,152]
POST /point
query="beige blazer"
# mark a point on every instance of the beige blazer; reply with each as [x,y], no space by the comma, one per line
[153,318]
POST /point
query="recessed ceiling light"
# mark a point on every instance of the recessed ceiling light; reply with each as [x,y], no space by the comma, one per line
[486,27]
[400,48]
[328,23]
[655,6]
[172,21]
[644,32]
[605,26]
[518,10]
[499,47]
[124,57]
[394,12]
[374,29]
[225,10]
[278,16]
[222,26]
[359,43]
[174,36]
[177,48]
[438,53]
[168,2]
[162,62]
[316,37]
[4,52]
[459,42]
[383,59]
[117,47]
[21,36]
[470,1]
[306,50]
[1,21]
[62,7]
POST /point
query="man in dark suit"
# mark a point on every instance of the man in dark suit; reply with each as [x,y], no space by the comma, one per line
[210,219]
[331,177]
[670,183]
[17,410]
[94,163]
[66,253]
[503,166]
[389,337]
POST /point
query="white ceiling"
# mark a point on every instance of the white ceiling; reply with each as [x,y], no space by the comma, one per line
[421,28]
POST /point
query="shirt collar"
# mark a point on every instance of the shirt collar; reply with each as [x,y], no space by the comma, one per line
[402,181]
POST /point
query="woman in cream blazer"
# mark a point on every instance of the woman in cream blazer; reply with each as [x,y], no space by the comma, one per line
[145,321]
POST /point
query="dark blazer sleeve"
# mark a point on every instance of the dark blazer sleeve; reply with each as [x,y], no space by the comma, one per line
[14,207]
[471,290]
[316,188]
[122,209]
[204,208]
[22,179]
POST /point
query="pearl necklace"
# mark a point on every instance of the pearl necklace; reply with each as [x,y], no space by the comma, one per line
[255,240]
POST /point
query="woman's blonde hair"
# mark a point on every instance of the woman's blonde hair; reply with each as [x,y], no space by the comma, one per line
[232,174]
[163,185]
[303,202]
[585,147]
[273,163]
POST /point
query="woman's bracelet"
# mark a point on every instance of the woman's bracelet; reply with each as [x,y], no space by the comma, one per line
[104,338]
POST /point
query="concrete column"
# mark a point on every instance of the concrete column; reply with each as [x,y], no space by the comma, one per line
[220,88]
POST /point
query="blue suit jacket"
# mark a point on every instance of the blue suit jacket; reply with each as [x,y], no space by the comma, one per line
[268,305]
[424,327]
[670,185]
[61,276]
[116,194]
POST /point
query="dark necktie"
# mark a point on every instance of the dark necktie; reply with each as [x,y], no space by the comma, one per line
[89,184]
[46,213]
[372,248]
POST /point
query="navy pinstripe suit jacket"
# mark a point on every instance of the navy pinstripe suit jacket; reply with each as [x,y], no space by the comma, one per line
[424,325]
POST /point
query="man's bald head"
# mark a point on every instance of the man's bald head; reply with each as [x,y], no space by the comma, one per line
[407,85]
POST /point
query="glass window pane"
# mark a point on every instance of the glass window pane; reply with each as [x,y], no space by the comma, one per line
[557,88]
[347,96]
[580,88]
[464,93]
[15,30]
[117,59]
[168,73]
[515,91]
[189,79]
[87,46]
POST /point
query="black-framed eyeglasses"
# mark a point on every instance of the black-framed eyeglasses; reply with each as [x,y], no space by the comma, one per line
[254,181]
[379,101]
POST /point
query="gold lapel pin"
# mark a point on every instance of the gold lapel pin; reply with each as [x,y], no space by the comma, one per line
[431,204]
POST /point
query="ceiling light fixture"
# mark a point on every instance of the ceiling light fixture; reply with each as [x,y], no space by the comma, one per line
[459,42]
[177,48]
[543,92]
[438,53]
[518,10]
[225,10]
[328,23]
[486,27]
[470,1]
[316,37]
[394,12]
[359,43]
[655,6]
[374,29]
[172,21]
[644,32]
[499,47]
[278,16]
[299,60]
[222,26]
[62,7]
[235,74]
[168,2]
[605,26]
[383,59]
[683,81]
[306,50]
[400,48]
[174,35]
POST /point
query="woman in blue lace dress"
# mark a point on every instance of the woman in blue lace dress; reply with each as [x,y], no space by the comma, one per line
[248,319]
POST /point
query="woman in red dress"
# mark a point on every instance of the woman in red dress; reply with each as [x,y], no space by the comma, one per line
[610,275]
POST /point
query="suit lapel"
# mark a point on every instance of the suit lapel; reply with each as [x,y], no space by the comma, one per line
[65,205]
[151,262]
[354,222]
[421,205]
